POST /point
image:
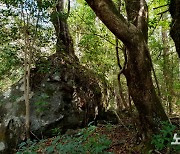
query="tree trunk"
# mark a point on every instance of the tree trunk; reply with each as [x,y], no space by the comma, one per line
[138,70]
[118,99]
[167,72]
[26,82]
[64,40]
[121,94]
[119,74]
[175,25]
[64,45]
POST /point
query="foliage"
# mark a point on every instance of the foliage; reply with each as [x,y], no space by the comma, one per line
[86,140]
[165,137]
[9,59]
[95,47]
[95,43]
[164,57]
[56,131]
[12,45]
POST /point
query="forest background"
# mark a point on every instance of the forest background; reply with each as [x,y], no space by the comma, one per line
[95,46]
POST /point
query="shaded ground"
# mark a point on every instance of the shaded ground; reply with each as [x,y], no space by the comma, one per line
[123,140]
[123,137]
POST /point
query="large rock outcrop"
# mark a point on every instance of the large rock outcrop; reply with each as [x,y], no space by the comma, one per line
[64,95]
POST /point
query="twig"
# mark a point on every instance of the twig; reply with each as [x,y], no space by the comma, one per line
[69,7]
[163,12]
[102,38]
[157,152]
[34,135]
[160,6]
[120,67]
[92,33]
[119,119]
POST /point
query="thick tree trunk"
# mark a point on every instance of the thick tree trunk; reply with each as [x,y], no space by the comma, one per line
[175,25]
[142,91]
[64,40]
[138,71]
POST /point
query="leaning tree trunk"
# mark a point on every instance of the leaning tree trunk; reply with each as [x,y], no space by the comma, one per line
[133,33]
[138,72]
[175,25]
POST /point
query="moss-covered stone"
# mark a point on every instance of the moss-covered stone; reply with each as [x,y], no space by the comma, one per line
[64,97]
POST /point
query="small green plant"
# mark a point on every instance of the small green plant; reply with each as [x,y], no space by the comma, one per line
[56,131]
[109,126]
[165,137]
[28,147]
[87,140]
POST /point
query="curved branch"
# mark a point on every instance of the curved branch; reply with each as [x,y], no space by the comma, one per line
[121,71]
[117,54]
[115,22]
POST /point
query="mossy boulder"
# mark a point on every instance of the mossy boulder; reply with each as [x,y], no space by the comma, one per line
[64,95]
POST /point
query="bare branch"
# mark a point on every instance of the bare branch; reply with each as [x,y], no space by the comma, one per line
[160,6]
[117,54]
[163,12]
[69,7]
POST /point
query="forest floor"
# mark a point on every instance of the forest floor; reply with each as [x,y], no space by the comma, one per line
[123,140]
[123,136]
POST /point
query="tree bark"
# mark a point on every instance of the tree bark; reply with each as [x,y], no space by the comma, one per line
[175,25]
[167,71]
[121,94]
[119,75]
[133,33]
[27,65]
[64,40]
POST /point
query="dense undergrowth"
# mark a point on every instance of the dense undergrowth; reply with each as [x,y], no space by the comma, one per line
[102,139]
[85,141]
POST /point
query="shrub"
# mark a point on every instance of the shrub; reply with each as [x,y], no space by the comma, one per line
[165,137]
